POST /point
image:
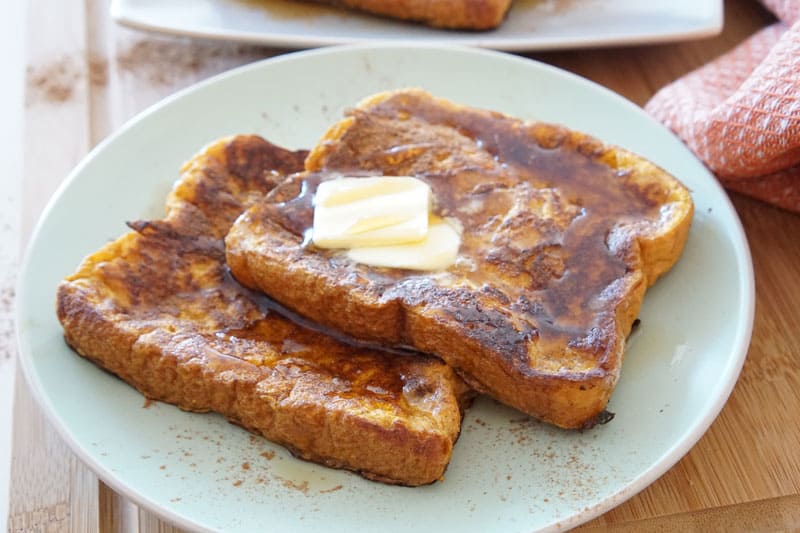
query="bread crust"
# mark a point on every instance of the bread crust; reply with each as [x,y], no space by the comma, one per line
[451,14]
[158,308]
[562,236]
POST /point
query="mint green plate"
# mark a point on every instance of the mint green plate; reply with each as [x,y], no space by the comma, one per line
[507,473]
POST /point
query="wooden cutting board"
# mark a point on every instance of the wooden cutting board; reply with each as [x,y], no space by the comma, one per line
[86,77]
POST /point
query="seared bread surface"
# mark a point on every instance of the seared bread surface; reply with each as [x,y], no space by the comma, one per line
[158,308]
[561,236]
[453,14]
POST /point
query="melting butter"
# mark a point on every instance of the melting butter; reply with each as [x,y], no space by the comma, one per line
[437,251]
[349,190]
[384,221]
[373,211]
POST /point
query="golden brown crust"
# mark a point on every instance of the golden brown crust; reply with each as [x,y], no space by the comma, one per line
[562,236]
[452,14]
[158,308]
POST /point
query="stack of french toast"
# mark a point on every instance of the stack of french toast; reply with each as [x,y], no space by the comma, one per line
[234,302]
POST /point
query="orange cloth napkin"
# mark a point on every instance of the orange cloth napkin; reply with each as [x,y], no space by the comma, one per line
[740,113]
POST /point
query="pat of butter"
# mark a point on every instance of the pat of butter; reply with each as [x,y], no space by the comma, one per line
[437,251]
[375,211]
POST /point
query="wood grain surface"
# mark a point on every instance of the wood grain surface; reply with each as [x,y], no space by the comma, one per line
[86,77]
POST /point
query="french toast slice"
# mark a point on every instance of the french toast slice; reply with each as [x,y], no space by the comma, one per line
[451,14]
[561,236]
[158,308]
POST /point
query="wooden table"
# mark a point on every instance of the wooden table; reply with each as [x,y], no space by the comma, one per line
[86,77]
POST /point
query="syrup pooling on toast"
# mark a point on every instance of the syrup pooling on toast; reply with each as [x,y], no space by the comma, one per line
[562,234]
[540,209]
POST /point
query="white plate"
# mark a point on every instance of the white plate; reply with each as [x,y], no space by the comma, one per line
[530,25]
[507,473]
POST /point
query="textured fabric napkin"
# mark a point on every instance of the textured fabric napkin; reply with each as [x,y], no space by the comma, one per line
[741,113]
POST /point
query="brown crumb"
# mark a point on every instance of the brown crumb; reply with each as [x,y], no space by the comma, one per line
[237,483]
[98,71]
[166,62]
[245,466]
[332,489]
[302,486]
[147,403]
[268,455]
[53,82]
[163,467]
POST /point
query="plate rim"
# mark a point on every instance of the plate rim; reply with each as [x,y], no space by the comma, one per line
[682,445]
[481,40]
